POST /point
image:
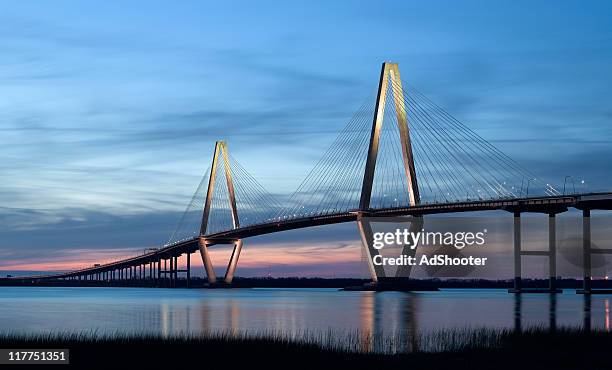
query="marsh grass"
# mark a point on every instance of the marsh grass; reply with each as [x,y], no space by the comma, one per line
[472,348]
[444,340]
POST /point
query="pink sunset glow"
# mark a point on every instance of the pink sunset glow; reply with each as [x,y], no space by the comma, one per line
[292,259]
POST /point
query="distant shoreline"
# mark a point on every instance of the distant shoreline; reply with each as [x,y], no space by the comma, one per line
[264,282]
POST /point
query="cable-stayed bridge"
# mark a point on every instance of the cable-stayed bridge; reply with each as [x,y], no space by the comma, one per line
[399,155]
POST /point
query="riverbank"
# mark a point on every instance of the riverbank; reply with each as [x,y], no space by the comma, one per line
[450,349]
[340,283]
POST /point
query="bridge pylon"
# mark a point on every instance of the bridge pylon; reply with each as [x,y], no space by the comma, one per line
[220,154]
[390,83]
[389,74]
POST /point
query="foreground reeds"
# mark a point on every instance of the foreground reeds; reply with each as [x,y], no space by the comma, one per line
[452,348]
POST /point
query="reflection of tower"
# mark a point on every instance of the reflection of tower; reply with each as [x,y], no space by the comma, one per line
[165,320]
[586,326]
[552,312]
[370,321]
[233,318]
[372,338]
[188,319]
[518,306]
[409,322]
[205,325]
[367,319]
[607,314]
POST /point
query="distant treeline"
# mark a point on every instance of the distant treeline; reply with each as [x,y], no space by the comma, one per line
[311,282]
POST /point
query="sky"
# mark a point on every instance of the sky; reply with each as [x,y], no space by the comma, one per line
[109,110]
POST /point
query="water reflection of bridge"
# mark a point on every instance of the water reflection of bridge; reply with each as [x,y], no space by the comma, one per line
[387,321]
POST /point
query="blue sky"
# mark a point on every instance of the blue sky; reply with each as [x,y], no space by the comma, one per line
[109,110]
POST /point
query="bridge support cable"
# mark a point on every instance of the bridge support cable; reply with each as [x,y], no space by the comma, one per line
[190,221]
[415,151]
[234,199]
[334,183]
[494,151]
[251,204]
[498,174]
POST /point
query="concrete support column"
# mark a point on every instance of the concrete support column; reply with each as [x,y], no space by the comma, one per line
[366,234]
[552,250]
[233,262]
[172,271]
[158,280]
[517,251]
[165,272]
[208,266]
[188,269]
[586,250]
[175,277]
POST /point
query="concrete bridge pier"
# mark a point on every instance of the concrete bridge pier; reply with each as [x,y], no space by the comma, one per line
[233,262]
[586,253]
[160,272]
[188,269]
[586,250]
[203,245]
[552,250]
[517,253]
[208,266]
[551,253]
[171,272]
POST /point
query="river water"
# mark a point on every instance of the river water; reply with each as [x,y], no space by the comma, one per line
[290,312]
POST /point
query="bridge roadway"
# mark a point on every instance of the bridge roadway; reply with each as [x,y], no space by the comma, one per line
[546,204]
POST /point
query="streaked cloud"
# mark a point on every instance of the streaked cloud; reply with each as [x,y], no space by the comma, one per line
[109,112]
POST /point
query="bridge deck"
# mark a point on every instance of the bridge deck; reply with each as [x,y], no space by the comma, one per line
[547,204]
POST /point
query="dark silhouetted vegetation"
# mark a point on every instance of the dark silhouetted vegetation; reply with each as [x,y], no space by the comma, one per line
[446,349]
[314,282]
